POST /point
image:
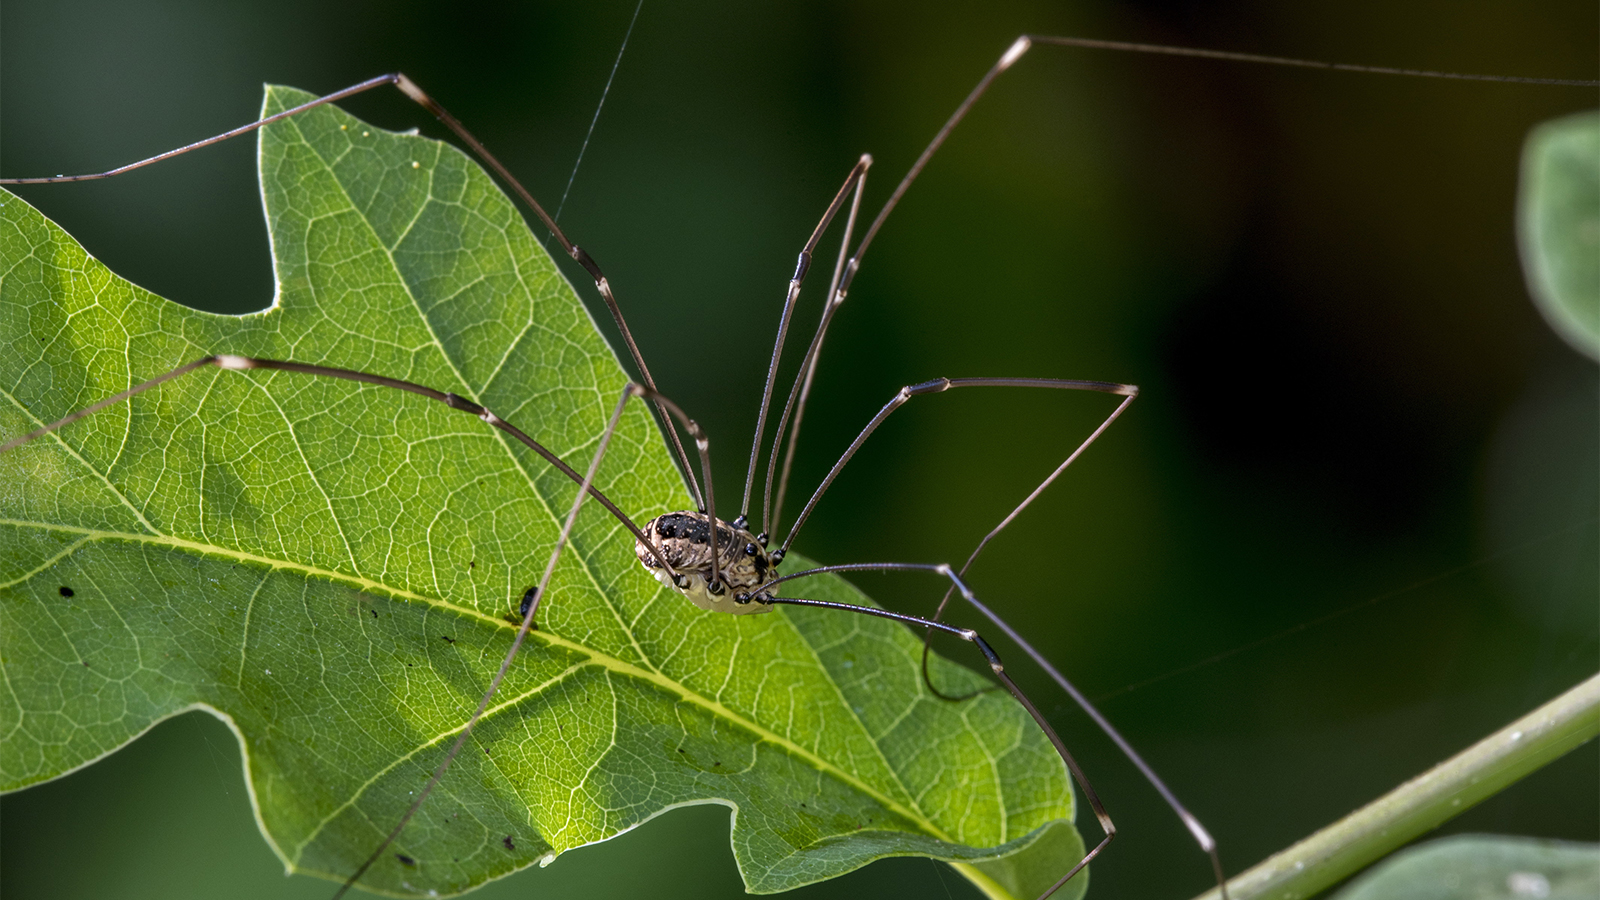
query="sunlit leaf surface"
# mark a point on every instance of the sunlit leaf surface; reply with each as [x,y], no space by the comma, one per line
[327,566]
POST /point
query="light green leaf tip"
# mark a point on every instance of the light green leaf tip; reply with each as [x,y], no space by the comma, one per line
[1558,226]
[326,566]
[1483,867]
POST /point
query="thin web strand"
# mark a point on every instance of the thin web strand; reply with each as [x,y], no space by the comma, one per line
[606,91]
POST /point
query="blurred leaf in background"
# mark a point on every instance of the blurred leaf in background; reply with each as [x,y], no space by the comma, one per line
[1558,226]
[1483,867]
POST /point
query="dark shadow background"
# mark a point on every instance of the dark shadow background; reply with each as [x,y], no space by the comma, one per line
[1349,528]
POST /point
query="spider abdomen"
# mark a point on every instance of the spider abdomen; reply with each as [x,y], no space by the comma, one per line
[684,540]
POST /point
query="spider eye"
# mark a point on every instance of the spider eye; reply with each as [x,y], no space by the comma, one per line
[749,549]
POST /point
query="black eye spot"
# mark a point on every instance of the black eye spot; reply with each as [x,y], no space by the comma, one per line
[66,591]
[749,549]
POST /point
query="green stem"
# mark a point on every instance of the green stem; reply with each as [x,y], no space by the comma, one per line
[1424,802]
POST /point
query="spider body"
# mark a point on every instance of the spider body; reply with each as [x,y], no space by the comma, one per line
[743,563]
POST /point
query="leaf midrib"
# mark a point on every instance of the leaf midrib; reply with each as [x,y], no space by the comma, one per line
[596,657]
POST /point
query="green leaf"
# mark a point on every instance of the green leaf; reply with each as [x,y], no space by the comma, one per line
[327,566]
[1558,223]
[1030,872]
[1483,867]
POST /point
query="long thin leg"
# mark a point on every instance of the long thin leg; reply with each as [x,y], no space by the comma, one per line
[999,670]
[531,599]
[773,509]
[1010,517]
[836,295]
[1013,53]
[454,401]
[856,181]
[940,385]
[1197,830]
[853,265]
[410,89]
[1018,48]
[1023,44]
[530,607]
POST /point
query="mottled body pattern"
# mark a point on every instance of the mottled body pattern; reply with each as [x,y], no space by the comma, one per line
[684,539]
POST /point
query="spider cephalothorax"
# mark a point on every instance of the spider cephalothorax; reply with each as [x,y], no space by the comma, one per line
[684,539]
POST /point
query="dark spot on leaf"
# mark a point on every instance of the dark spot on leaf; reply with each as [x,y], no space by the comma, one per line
[447,639]
[406,860]
[86,664]
[680,749]
[473,564]
[508,843]
[716,764]
[374,613]
[66,591]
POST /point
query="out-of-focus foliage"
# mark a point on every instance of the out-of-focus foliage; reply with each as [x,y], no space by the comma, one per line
[1483,867]
[1558,221]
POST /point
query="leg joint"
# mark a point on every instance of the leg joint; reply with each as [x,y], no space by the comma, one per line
[588,263]
[937,385]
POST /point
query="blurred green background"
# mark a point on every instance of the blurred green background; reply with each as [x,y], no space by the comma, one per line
[1350,526]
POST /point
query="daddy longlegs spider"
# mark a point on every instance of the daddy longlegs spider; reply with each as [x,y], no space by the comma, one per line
[726,568]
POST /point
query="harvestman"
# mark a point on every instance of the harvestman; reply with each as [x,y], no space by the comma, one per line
[724,566]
